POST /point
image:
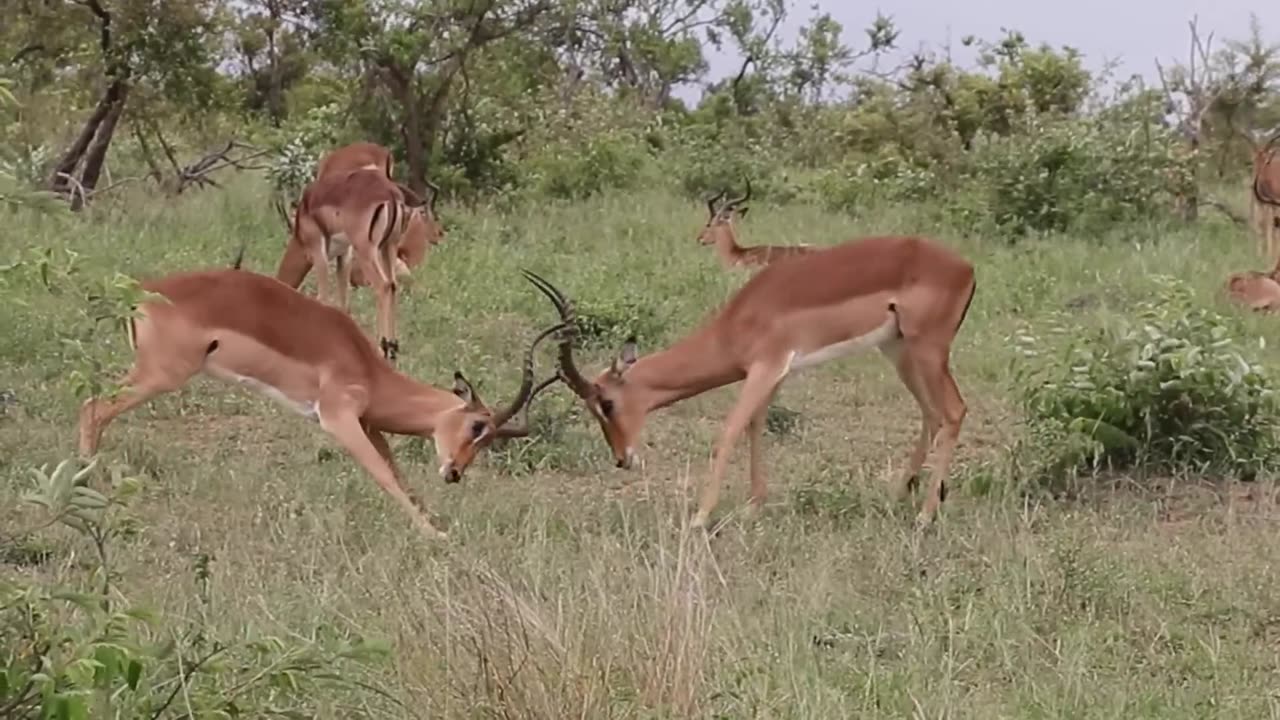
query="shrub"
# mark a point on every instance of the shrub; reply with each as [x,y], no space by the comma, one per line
[1072,174]
[1169,391]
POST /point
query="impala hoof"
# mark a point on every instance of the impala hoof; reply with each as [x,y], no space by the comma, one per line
[390,348]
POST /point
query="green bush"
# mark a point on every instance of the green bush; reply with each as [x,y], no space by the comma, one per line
[578,167]
[1169,391]
[1071,174]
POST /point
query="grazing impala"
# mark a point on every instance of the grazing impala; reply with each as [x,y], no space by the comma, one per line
[1264,196]
[719,232]
[354,217]
[906,296]
[251,329]
[422,228]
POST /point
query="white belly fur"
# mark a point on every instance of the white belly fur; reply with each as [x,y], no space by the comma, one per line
[307,409]
[887,332]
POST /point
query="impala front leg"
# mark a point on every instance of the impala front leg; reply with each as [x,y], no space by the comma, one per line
[761,381]
[340,419]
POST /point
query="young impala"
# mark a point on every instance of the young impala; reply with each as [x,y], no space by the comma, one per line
[906,296]
[251,329]
[719,232]
[422,229]
[357,217]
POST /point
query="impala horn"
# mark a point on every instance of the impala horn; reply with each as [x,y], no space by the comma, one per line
[435,195]
[526,383]
[711,202]
[568,370]
[746,196]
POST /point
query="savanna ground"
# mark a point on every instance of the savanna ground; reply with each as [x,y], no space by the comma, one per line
[572,589]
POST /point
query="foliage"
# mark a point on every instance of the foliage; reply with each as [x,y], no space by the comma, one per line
[78,648]
[1169,390]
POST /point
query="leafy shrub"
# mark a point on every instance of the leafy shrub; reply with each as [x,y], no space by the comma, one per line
[608,323]
[576,168]
[78,648]
[1085,175]
[1170,391]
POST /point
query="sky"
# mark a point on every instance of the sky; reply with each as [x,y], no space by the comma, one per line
[1133,32]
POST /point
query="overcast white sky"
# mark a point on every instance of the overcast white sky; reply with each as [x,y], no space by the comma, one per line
[1135,32]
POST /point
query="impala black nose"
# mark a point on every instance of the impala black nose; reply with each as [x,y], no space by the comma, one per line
[452,475]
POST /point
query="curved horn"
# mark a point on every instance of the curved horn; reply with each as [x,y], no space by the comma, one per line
[745,197]
[435,193]
[572,377]
[526,382]
[511,430]
[711,202]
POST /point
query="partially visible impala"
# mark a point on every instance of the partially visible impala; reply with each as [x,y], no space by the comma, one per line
[251,329]
[906,296]
[1264,195]
[354,218]
[422,228]
[719,232]
[1255,290]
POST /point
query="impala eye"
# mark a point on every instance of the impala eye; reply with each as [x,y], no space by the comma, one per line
[606,407]
[478,428]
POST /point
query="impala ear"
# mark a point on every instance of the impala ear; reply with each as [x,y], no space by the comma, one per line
[463,389]
[626,357]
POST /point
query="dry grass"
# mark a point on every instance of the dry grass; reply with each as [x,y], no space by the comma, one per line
[571,589]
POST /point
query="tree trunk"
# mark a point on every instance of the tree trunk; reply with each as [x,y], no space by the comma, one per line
[97,152]
[71,158]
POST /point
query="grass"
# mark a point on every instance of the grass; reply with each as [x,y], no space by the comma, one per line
[572,589]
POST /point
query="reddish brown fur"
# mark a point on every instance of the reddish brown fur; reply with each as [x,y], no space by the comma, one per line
[422,229]
[248,327]
[367,209]
[906,295]
[1264,197]
[1256,290]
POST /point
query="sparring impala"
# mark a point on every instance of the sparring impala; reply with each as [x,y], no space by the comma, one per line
[422,228]
[719,232]
[906,296]
[354,218]
[313,358]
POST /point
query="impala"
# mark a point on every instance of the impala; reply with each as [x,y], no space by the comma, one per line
[422,229]
[719,232]
[353,218]
[1256,290]
[251,329]
[906,296]
[1264,195]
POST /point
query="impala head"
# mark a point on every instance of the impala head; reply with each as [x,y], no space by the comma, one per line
[463,431]
[615,403]
[720,217]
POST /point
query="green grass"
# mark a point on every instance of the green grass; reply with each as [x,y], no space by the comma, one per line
[572,589]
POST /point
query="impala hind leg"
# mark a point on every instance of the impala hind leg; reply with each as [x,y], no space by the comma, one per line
[339,417]
[932,365]
[761,382]
[929,422]
[141,384]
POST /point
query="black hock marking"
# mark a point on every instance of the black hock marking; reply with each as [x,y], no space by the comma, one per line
[942,492]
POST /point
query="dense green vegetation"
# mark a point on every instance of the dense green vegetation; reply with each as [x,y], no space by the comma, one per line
[1107,549]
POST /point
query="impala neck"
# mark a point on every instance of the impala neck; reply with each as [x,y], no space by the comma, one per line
[727,246]
[692,366]
[401,405]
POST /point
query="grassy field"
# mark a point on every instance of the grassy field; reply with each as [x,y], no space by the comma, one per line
[572,589]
